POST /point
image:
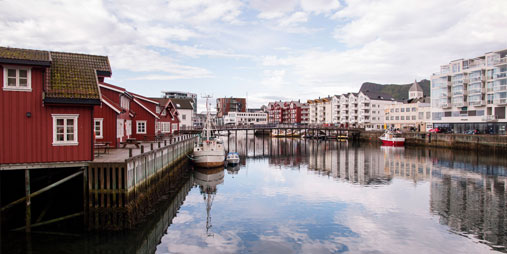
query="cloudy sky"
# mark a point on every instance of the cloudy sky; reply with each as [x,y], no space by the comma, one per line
[270,50]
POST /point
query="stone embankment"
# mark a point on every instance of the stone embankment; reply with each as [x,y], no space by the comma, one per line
[496,143]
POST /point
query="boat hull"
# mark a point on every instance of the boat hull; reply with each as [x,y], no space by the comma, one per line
[209,159]
[387,142]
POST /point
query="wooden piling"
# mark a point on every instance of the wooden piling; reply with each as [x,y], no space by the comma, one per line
[28,208]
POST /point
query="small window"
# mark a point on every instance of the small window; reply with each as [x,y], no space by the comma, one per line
[141,127]
[64,129]
[183,117]
[17,79]
[97,127]
[413,117]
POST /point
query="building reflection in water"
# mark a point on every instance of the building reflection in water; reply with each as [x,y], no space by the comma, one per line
[467,189]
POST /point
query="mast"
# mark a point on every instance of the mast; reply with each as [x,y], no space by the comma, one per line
[207,126]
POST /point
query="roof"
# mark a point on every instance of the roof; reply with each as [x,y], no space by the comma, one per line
[74,76]
[24,56]
[378,96]
[112,87]
[111,104]
[182,103]
[415,87]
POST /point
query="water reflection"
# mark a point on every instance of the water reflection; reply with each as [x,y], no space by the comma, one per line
[207,180]
[302,196]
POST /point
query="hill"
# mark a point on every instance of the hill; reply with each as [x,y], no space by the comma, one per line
[397,91]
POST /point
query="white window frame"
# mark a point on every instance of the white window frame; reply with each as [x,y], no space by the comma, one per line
[120,128]
[100,121]
[28,87]
[138,125]
[65,117]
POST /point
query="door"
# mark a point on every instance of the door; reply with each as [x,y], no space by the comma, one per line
[128,128]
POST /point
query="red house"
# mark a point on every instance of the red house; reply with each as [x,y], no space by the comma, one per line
[169,121]
[113,118]
[145,117]
[47,100]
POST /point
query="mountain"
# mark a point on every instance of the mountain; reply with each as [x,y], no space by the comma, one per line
[397,91]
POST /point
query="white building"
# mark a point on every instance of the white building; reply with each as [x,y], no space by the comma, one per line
[469,94]
[246,118]
[356,110]
[186,111]
[415,113]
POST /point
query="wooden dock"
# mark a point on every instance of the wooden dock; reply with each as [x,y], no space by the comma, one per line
[118,188]
[123,185]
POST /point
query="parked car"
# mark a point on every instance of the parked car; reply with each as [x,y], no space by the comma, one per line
[476,131]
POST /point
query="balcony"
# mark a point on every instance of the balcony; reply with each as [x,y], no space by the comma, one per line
[445,105]
[501,101]
[501,75]
[501,61]
[476,103]
[459,104]
[476,91]
[490,118]
[477,79]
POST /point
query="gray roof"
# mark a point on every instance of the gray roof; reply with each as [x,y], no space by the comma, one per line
[182,103]
[415,87]
[378,96]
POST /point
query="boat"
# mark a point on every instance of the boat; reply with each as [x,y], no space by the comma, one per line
[209,151]
[232,158]
[390,138]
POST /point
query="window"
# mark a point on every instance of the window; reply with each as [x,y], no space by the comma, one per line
[402,117]
[125,102]
[402,109]
[413,117]
[119,128]
[414,109]
[184,117]
[97,127]
[398,110]
[64,129]
[17,79]
[141,127]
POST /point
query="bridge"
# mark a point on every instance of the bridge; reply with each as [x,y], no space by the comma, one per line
[352,133]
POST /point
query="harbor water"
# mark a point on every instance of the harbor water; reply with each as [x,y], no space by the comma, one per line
[307,196]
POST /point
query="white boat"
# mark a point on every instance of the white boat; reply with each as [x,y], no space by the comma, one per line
[232,158]
[390,138]
[209,151]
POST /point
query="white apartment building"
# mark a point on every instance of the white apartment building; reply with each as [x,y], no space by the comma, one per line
[469,94]
[415,113]
[356,110]
[246,118]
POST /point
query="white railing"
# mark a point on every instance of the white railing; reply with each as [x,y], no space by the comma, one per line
[145,165]
[500,101]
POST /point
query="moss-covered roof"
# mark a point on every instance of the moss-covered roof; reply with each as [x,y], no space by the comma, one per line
[24,54]
[74,76]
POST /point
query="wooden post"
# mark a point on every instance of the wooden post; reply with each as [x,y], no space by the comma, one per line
[159,144]
[165,142]
[130,152]
[85,192]
[28,210]
[142,149]
[151,146]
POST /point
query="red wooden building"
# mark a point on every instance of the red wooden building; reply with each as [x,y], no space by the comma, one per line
[145,117]
[169,121]
[113,118]
[46,105]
